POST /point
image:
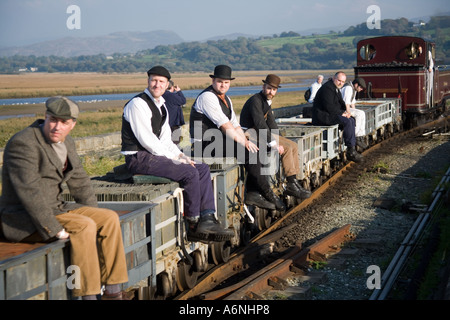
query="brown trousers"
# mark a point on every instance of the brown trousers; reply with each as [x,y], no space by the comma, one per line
[96,248]
[289,158]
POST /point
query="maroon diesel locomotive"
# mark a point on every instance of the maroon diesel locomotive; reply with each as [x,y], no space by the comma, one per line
[404,67]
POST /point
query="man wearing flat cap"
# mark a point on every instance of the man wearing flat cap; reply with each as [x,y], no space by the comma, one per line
[37,162]
[149,150]
[349,92]
[258,121]
[216,132]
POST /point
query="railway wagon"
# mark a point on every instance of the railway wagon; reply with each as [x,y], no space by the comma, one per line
[404,67]
[160,260]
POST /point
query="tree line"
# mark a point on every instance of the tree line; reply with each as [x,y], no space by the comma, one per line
[289,51]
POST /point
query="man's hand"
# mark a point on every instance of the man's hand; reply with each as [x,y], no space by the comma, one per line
[185,159]
[62,235]
[251,146]
[280,150]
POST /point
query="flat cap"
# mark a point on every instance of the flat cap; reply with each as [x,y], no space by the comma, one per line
[160,71]
[360,81]
[62,108]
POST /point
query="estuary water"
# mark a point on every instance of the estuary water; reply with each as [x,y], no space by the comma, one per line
[234,91]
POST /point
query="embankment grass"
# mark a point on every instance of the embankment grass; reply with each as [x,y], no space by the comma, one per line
[108,120]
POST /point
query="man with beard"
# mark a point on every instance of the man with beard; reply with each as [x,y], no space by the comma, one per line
[258,121]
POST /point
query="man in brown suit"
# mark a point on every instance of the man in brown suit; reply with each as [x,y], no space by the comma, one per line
[37,162]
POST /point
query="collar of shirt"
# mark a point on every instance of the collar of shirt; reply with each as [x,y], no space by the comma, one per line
[159,103]
[269,102]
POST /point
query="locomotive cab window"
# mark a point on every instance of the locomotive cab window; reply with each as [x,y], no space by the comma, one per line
[367,52]
[413,50]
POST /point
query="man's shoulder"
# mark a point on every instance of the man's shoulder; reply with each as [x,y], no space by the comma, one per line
[26,133]
[256,98]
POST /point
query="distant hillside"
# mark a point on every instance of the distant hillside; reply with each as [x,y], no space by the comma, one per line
[119,42]
[287,51]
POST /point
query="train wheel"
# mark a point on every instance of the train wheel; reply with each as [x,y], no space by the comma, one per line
[200,263]
[290,202]
[186,276]
[220,252]
[246,232]
[263,218]
[165,287]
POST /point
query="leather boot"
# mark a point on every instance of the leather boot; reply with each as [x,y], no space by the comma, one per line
[207,229]
[361,143]
[253,198]
[294,190]
[353,155]
[273,198]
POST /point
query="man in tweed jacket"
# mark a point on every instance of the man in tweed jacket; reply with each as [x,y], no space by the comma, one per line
[37,162]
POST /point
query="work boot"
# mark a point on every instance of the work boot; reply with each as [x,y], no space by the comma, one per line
[254,198]
[353,155]
[361,143]
[273,198]
[206,229]
[122,295]
[295,190]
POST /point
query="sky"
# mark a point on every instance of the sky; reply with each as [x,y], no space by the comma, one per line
[24,22]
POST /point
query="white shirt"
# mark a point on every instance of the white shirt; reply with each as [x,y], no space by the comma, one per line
[347,93]
[314,88]
[139,115]
[209,105]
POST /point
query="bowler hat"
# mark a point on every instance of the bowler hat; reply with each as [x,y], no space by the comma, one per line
[273,80]
[160,71]
[62,108]
[360,81]
[222,72]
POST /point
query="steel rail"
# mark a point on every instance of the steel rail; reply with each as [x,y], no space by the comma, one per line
[397,263]
[280,270]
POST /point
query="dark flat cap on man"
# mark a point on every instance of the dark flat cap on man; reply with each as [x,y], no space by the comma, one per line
[159,71]
[360,82]
[62,108]
[222,72]
[273,80]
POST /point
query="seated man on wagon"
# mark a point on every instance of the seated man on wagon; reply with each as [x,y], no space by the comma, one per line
[149,150]
[259,123]
[215,132]
[37,162]
[349,91]
[329,109]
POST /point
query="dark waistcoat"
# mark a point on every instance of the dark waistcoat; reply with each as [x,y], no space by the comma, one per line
[129,141]
[206,122]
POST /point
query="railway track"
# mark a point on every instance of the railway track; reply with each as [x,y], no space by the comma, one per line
[216,283]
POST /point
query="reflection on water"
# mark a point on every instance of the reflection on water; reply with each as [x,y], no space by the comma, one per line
[18,116]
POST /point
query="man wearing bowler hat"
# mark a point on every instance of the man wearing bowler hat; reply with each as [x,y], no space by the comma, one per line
[38,161]
[215,132]
[149,150]
[258,121]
